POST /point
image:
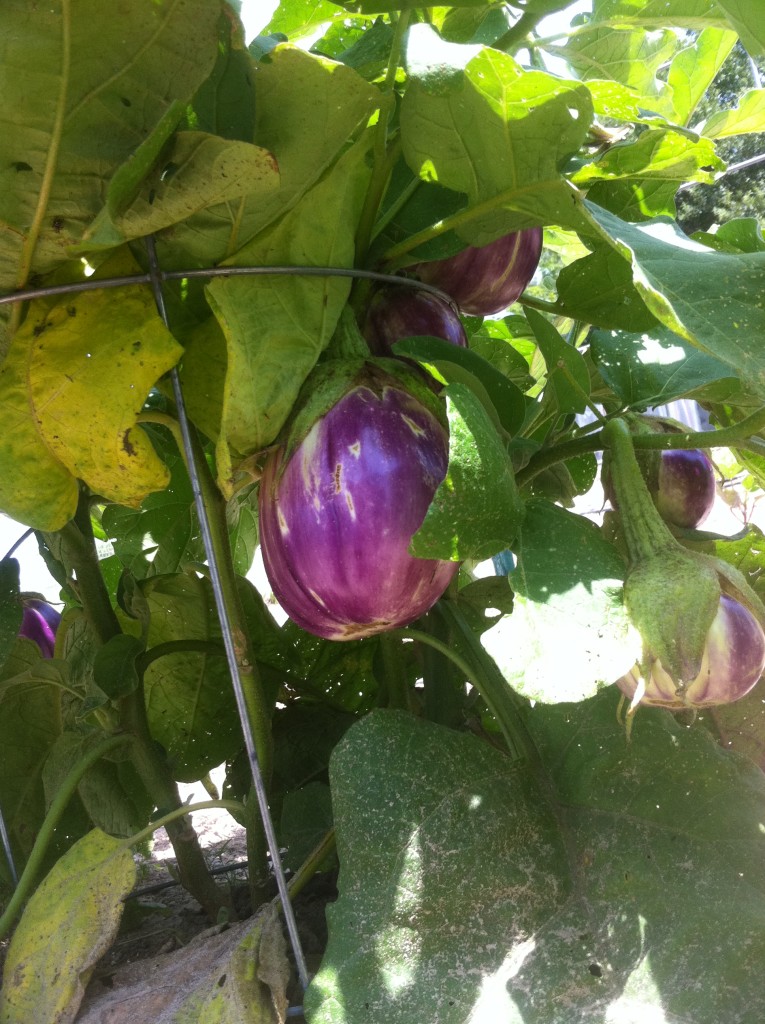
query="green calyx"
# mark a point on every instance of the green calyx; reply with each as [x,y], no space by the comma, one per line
[671,596]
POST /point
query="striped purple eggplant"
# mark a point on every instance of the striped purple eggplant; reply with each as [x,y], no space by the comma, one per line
[487,279]
[733,661]
[400,311]
[340,501]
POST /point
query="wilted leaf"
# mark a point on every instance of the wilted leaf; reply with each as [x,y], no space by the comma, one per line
[95,352]
[69,923]
[63,70]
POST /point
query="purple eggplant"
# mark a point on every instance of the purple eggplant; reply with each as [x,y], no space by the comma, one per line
[686,487]
[340,501]
[487,279]
[681,482]
[733,661]
[400,311]
[39,623]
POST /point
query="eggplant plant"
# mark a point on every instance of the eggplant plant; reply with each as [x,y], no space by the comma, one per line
[219,341]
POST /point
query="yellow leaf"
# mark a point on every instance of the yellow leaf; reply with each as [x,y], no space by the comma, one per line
[76,378]
[68,924]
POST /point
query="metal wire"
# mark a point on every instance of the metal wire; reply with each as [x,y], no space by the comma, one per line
[8,851]
[204,272]
[228,639]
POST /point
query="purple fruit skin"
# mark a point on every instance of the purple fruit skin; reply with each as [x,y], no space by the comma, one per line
[687,487]
[487,279]
[398,312]
[336,521]
[39,623]
[734,660]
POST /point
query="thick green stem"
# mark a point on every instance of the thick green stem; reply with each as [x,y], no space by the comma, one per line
[645,532]
[52,818]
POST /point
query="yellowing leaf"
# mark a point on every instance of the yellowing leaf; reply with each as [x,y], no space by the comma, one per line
[76,378]
[68,924]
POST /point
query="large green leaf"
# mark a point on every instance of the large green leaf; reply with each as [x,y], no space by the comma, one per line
[69,923]
[472,892]
[276,327]
[473,120]
[599,290]
[745,16]
[712,299]
[692,14]
[568,634]
[655,367]
[296,18]
[189,691]
[630,57]
[476,509]
[693,69]
[30,723]
[65,71]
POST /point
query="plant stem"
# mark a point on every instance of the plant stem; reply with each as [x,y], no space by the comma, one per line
[178,647]
[48,827]
[179,812]
[311,864]
[507,723]
[383,160]
[80,556]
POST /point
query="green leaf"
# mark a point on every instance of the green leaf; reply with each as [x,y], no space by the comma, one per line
[636,199]
[567,585]
[503,401]
[745,16]
[567,375]
[276,327]
[469,891]
[30,722]
[693,69]
[112,794]
[69,923]
[474,121]
[62,74]
[298,18]
[224,104]
[748,116]
[657,153]
[11,611]
[713,300]
[197,172]
[114,667]
[599,290]
[476,509]
[306,818]
[692,14]
[188,691]
[740,235]
[64,355]
[630,57]
[654,368]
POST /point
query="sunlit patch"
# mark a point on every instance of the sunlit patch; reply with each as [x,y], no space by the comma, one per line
[656,353]
[283,528]
[317,597]
[475,802]
[355,449]
[494,1001]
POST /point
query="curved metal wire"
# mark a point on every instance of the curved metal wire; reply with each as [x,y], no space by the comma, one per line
[129,280]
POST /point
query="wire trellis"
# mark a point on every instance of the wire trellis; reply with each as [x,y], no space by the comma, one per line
[156,278]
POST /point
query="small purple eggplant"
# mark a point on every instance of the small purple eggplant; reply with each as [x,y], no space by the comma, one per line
[400,311]
[39,623]
[487,279]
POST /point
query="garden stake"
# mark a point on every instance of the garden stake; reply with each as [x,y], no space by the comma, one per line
[228,639]
[8,850]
